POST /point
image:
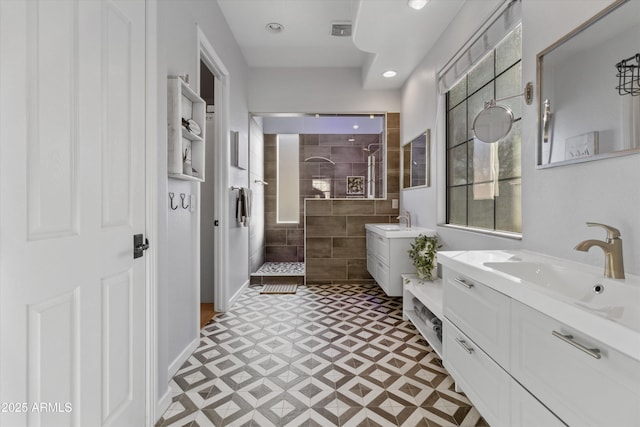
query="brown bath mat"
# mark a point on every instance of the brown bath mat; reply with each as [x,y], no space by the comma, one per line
[279,289]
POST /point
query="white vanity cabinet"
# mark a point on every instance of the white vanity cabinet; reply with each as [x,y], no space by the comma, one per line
[387,259]
[479,311]
[561,366]
[522,367]
[477,374]
[477,352]
[527,411]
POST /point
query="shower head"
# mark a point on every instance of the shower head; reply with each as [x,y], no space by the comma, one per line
[319,159]
[368,149]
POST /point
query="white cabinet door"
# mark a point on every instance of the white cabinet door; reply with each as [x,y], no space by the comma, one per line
[72,132]
[579,388]
[482,313]
[527,411]
[485,383]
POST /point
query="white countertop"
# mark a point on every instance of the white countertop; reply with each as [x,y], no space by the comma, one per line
[395,231]
[623,335]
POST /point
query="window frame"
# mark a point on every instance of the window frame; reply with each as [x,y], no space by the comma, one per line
[450,147]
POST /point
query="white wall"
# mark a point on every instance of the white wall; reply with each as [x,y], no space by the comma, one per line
[556,202]
[256,171]
[178,288]
[316,90]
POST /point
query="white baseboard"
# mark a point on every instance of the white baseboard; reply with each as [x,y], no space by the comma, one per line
[182,357]
[235,296]
[163,403]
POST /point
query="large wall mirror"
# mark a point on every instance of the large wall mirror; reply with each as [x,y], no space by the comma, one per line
[416,159]
[589,89]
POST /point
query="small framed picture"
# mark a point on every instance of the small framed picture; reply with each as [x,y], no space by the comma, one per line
[355,185]
[585,145]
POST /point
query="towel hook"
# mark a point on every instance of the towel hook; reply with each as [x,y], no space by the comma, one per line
[171,195]
[182,197]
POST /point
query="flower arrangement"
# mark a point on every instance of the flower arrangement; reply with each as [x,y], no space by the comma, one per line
[423,255]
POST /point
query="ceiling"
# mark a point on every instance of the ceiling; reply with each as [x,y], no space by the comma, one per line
[387,34]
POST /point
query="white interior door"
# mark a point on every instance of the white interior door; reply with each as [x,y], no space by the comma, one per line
[72,194]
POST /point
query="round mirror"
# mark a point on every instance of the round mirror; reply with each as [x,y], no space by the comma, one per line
[493,123]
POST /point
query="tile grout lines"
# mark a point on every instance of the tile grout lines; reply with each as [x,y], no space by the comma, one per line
[337,355]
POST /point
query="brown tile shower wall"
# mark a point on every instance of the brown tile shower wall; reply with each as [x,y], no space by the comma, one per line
[285,242]
[350,159]
[335,234]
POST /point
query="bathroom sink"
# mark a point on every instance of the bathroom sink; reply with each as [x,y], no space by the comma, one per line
[553,277]
[613,299]
[391,231]
[391,227]
[574,294]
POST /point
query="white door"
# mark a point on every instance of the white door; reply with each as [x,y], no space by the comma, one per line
[72,171]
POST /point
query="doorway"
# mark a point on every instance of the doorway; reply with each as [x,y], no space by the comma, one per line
[208,84]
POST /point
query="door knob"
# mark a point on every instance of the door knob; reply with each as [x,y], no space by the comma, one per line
[138,246]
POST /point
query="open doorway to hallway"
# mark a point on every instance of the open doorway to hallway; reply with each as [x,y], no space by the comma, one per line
[208,223]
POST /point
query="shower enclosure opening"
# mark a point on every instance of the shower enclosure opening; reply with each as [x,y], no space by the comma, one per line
[339,157]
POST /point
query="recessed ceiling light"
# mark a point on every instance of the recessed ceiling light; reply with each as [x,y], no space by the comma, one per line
[351,139]
[371,116]
[389,74]
[274,27]
[417,4]
[356,126]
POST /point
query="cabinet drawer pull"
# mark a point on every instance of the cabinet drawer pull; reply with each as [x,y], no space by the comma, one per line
[464,283]
[464,345]
[593,352]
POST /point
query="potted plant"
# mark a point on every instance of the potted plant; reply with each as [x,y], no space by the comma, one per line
[423,255]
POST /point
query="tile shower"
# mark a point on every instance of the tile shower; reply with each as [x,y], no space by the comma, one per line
[326,161]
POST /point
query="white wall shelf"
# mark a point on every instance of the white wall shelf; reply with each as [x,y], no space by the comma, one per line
[184,103]
[428,293]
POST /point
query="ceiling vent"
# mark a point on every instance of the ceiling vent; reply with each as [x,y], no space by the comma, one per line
[341,29]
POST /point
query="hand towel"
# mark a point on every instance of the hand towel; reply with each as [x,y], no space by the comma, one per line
[243,206]
[485,170]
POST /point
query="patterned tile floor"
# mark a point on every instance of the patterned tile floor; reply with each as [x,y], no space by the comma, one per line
[281,269]
[336,355]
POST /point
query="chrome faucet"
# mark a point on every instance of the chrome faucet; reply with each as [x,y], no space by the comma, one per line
[612,247]
[407,217]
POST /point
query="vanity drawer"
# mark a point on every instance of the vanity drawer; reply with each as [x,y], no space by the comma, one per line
[371,264]
[479,377]
[382,275]
[382,248]
[480,312]
[371,248]
[579,388]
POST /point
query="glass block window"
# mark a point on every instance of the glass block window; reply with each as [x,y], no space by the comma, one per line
[484,180]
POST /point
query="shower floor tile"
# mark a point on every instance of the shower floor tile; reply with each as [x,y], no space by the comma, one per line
[281,269]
